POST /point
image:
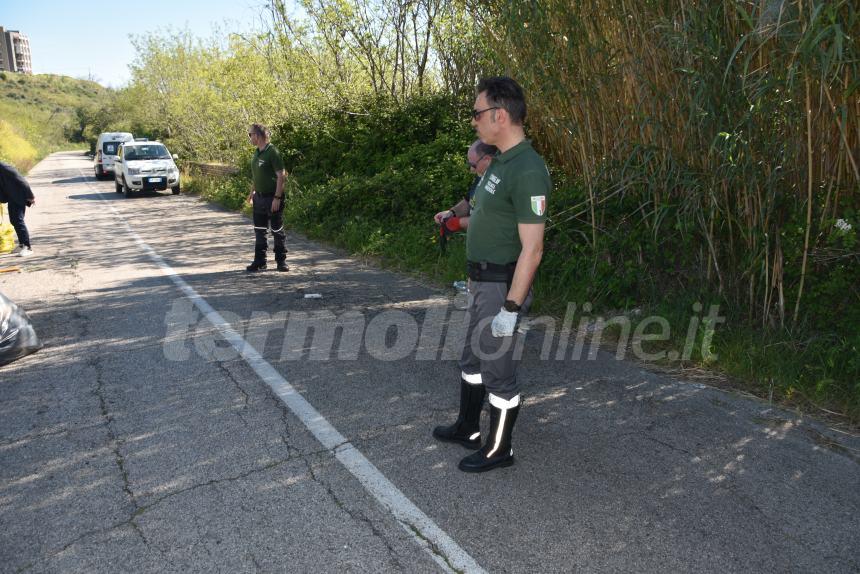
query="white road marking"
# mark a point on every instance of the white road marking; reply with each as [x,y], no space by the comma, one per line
[435,541]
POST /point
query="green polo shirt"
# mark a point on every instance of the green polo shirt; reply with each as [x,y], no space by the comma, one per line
[514,189]
[264,168]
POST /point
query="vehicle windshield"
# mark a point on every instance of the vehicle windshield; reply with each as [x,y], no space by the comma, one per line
[110,148]
[140,152]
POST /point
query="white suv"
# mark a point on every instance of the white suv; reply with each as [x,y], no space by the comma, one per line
[145,166]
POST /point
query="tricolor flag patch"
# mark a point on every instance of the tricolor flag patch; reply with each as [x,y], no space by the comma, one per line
[539,204]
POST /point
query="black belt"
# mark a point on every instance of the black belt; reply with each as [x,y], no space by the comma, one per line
[491,272]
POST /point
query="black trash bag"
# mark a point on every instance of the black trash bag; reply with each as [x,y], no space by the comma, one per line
[17,336]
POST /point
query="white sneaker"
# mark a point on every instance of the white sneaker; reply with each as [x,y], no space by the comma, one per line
[25,252]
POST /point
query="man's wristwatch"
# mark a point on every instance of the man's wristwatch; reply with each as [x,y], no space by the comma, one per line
[511,307]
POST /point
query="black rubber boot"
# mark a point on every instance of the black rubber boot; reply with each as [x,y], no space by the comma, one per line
[255,266]
[467,429]
[280,251]
[497,451]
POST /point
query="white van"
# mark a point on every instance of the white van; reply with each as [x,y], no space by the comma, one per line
[106,149]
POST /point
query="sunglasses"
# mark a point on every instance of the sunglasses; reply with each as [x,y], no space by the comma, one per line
[474,165]
[477,113]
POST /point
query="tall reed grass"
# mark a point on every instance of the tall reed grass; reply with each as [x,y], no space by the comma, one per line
[723,134]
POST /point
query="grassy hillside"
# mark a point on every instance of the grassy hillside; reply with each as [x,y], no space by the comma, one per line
[43,113]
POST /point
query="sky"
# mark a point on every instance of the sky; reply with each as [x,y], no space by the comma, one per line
[91,39]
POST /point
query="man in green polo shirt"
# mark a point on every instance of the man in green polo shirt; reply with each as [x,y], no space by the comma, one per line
[267,195]
[504,246]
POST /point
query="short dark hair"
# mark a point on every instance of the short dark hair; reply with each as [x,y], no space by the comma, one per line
[260,130]
[483,149]
[504,92]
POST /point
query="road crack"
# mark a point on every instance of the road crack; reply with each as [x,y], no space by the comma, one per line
[246,398]
[214,482]
[356,516]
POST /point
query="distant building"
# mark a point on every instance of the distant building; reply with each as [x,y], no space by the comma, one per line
[15,52]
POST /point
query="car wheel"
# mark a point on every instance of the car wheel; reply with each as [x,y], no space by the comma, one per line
[175,190]
[118,186]
[125,188]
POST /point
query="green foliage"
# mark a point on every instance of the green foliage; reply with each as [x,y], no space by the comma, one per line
[40,114]
[231,192]
[373,181]
[696,113]
[15,149]
[371,138]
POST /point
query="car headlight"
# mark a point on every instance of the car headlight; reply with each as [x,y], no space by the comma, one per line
[134,171]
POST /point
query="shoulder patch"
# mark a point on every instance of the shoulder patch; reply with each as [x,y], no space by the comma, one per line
[539,204]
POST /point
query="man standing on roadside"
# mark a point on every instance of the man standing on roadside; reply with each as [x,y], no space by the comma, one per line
[15,191]
[504,246]
[267,198]
[478,157]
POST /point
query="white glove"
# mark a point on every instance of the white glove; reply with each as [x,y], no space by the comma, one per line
[504,323]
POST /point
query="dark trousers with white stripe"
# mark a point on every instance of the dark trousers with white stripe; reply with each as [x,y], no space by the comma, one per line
[264,220]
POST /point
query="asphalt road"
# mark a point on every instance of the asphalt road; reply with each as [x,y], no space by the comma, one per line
[147,438]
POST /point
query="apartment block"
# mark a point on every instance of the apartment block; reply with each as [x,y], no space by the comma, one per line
[15,52]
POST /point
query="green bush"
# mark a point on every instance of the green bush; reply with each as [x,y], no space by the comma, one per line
[394,166]
[231,192]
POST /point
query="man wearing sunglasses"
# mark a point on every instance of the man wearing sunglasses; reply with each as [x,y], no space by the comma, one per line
[267,195]
[478,159]
[504,246]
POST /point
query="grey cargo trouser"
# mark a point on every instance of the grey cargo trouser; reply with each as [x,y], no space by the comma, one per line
[492,357]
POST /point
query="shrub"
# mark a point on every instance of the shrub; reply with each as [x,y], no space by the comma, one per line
[15,149]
